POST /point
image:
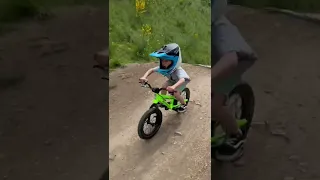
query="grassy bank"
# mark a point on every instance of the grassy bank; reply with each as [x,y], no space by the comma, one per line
[296,5]
[133,36]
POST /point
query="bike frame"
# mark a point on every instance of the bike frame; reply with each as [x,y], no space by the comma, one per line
[218,139]
[166,100]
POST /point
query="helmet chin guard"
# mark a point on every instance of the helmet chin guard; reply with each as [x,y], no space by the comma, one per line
[170,52]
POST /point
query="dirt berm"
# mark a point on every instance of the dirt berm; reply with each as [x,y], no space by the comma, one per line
[180,150]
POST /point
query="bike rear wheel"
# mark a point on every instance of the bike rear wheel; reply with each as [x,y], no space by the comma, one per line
[242,95]
[152,118]
[243,101]
[185,93]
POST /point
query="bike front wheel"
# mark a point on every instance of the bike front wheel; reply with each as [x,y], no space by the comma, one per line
[151,120]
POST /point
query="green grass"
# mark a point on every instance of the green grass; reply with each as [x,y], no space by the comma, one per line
[185,22]
[296,5]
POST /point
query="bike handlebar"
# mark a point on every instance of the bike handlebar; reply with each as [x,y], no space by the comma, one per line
[155,90]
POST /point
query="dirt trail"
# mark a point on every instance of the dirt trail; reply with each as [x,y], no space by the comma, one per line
[286,81]
[53,119]
[166,156]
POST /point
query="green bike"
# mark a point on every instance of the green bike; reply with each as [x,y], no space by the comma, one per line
[152,118]
[243,97]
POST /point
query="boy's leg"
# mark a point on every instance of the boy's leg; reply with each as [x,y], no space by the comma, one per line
[165,85]
[178,96]
[221,113]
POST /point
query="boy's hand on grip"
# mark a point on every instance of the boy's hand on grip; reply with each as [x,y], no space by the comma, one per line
[143,80]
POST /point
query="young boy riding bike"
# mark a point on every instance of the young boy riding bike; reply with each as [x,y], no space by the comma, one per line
[170,66]
[231,57]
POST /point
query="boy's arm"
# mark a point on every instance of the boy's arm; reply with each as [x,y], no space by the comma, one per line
[179,83]
[183,77]
[225,66]
[229,47]
[149,72]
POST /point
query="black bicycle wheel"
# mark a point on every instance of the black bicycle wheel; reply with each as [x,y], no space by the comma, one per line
[246,94]
[187,91]
[146,119]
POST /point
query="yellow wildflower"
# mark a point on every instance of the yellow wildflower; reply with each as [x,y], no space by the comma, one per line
[146,29]
[140,6]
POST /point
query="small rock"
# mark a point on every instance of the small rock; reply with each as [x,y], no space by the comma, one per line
[162,153]
[289,178]
[278,133]
[303,164]
[260,123]
[268,91]
[5,177]
[201,118]
[294,157]
[174,142]
[178,133]
[300,105]
[303,170]
[112,157]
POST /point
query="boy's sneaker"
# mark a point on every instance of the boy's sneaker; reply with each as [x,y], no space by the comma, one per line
[182,108]
[232,149]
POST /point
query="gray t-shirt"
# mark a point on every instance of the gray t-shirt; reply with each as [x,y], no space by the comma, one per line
[225,37]
[178,74]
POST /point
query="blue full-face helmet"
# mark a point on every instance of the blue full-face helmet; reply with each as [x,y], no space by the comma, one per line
[169,52]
